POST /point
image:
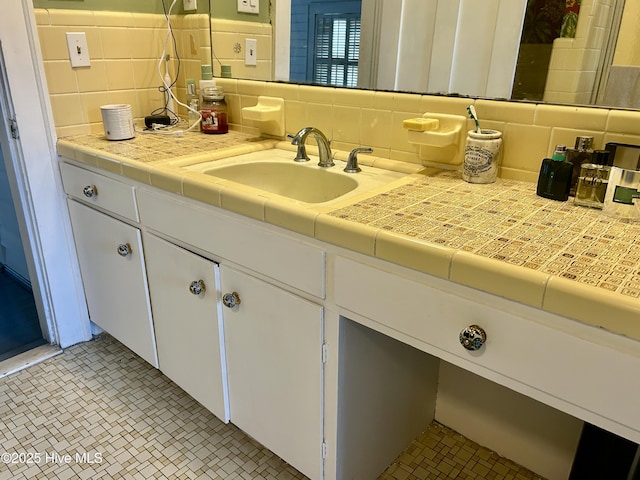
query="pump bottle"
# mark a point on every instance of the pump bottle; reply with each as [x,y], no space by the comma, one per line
[554,180]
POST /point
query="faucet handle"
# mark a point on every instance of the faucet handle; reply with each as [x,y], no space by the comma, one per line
[352,160]
[301,155]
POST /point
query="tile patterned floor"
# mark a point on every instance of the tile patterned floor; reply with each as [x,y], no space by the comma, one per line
[119,418]
[442,454]
[508,222]
[99,399]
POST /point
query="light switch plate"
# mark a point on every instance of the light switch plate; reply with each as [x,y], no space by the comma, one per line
[78,49]
[249,6]
[250,51]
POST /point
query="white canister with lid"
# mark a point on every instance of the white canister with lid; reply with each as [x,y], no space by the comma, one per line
[117,120]
[481,156]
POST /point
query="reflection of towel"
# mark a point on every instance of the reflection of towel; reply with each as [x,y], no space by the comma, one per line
[623,87]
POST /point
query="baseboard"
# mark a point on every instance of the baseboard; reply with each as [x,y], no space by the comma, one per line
[25,282]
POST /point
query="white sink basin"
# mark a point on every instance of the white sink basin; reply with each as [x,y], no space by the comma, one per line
[274,171]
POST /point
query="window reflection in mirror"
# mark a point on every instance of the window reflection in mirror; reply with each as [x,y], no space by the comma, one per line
[325,42]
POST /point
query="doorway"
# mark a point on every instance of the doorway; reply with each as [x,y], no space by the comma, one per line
[20,329]
[19,325]
[36,186]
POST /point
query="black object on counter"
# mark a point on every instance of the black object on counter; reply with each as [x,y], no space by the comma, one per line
[555,176]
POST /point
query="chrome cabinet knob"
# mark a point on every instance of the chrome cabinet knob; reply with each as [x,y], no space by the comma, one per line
[197,287]
[231,300]
[473,337]
[90,191]
[124,249]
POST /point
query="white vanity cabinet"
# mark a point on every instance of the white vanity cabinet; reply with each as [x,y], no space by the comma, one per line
[273,342]
[273,337]
[544,356]
[556,361]
[332,373]
[109,247]
[113,273]
[259,363]
[184,299]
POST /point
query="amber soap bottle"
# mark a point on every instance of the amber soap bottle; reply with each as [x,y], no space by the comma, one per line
[554,180]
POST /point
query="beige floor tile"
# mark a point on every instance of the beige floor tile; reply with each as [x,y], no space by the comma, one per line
[116,417]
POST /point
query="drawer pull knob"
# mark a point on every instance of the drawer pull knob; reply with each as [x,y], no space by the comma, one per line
[231,300]
[90,191]
[197,287]
[473,337]
[124,249]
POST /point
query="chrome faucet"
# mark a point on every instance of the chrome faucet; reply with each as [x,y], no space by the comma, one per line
[352,161]
[324,146]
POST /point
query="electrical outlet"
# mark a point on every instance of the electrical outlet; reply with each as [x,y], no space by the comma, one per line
[190,5]
[78,49]
[250,51]
[249,6]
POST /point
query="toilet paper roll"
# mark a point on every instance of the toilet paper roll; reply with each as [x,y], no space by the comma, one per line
[117,120]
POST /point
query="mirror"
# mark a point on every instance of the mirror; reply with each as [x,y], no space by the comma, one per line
[558,51]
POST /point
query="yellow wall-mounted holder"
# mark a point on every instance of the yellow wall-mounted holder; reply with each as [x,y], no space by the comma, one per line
[439,136]
[268,115]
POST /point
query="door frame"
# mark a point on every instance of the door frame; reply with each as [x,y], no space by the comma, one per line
[32,167]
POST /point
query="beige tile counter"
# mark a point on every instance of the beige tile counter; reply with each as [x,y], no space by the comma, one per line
[499,238]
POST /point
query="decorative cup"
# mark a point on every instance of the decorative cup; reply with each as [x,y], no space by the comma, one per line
[481,156]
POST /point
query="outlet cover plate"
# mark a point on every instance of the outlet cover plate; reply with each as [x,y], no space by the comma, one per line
[249,6]
[78,49]
[190,5]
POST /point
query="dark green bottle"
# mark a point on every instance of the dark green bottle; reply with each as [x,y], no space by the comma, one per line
[554,181]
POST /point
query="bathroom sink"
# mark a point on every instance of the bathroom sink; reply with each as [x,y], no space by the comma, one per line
[290,180]
[274,171]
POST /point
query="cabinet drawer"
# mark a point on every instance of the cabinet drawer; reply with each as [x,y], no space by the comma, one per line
[279,257]
[520,352]
[98,190]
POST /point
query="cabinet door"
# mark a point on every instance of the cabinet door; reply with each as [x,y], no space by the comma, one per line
[186,321]
[273,342]
[115,283]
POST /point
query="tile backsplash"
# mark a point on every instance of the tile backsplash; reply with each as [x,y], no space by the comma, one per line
[228,40]
[371,118]
[125,47]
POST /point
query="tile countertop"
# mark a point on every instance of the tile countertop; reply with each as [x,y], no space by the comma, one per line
[500,238]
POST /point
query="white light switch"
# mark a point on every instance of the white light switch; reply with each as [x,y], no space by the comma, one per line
[250,51]
[78,49]
[249,6]
[190,5]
